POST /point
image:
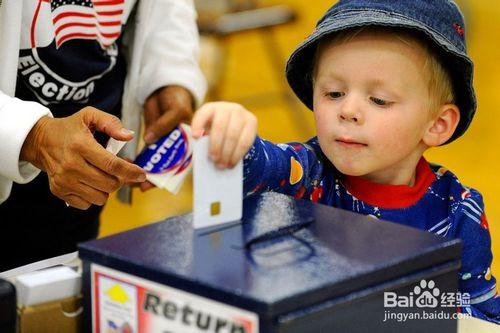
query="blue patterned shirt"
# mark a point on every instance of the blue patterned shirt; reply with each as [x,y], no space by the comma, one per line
[437,202]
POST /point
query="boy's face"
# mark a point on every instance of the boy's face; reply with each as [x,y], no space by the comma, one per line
[371,105]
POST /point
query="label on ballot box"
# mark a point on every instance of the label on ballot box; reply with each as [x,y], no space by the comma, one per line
[125,303]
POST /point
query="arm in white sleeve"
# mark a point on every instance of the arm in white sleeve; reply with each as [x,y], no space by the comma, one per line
[171,50]
[17,118]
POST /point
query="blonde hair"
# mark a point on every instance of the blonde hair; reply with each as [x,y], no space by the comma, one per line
[439,80]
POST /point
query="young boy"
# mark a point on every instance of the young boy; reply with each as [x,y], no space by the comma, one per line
[386,80]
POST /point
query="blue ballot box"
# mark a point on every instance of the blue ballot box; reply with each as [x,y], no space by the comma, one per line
[288,266]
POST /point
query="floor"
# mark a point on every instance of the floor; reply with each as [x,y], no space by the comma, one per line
[253,78]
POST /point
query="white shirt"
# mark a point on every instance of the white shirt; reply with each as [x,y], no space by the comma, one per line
[163,48]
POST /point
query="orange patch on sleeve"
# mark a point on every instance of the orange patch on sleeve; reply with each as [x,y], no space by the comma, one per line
[296,171]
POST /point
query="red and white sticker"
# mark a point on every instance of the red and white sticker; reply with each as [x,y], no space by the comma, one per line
[124,303]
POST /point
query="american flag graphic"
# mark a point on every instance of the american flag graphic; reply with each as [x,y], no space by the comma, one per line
[99,20]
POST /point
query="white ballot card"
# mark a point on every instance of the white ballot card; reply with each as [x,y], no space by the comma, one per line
[114,146]
[218,194]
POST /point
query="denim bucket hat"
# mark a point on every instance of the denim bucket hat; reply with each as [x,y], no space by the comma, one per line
[439,20]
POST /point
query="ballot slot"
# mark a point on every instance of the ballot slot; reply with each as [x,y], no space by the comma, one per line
[201,232]
[277,248]
[281,252]
[282,247]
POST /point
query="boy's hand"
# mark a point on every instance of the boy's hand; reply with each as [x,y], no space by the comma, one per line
[232,130]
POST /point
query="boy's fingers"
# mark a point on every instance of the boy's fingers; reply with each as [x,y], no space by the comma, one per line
[202,120]
[217,134]
[231,139]
[245,142]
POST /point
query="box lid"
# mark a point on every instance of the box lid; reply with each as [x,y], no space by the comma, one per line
[285,254]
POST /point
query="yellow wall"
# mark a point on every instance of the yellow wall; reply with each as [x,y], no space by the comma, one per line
[251,79]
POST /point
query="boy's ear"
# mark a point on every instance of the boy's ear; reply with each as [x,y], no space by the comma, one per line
[443,126]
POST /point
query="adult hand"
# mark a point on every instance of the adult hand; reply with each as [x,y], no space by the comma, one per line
[166,108]
[81,172]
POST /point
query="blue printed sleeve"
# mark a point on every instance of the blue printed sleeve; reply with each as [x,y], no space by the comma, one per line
[475,276]
[294,168]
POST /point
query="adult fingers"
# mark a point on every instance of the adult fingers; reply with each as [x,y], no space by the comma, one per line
[125,171]
[100,180]
[75,201]
[173,106]
[164,124]
[146,186]
[104,122]
[151,113]
[90,194]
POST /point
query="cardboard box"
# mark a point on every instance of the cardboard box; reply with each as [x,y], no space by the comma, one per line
[62,316]
[290,266]
[47,285]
